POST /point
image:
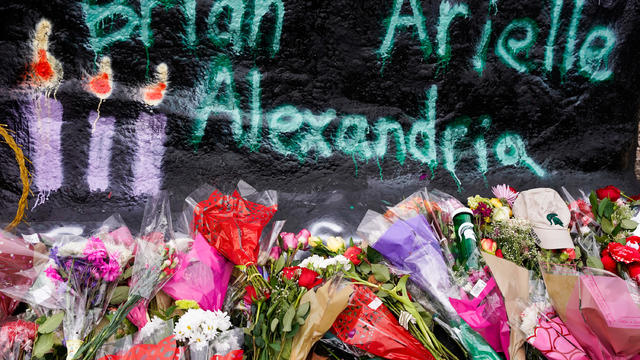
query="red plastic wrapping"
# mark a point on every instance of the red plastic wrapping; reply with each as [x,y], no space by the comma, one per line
[233,225]
[166,349]
[368,325]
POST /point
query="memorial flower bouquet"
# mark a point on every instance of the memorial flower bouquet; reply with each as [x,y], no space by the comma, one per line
[16,339]
[374,280]
[155,263]
[275,317]
[233,224]
[87,272]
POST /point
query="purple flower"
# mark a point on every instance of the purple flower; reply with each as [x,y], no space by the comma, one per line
[483,209]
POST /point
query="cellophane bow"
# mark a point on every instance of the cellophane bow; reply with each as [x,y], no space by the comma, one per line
[155,263]
[233,224]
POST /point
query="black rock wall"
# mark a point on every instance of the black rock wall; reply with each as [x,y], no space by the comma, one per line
[336,109]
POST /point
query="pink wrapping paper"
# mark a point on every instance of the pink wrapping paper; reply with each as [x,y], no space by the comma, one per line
[489,320]
[555,342]
[202,276]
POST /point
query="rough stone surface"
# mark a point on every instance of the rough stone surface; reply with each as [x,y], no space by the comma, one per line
[583,134]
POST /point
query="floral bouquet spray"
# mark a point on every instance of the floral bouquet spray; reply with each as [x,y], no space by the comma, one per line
[155,263]
[85,272]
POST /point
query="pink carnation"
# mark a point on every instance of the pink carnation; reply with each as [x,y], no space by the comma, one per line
[95,251]
[110,271]
[53,274]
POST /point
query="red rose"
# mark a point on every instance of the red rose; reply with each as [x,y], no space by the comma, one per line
[571,252]
[609,264]
[499,253]
[290,272]
[308,278]
[250,295]
[611,192]
[353,254]
[635,197]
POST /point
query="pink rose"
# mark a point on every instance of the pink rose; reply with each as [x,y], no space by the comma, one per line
[303,238]
[289,241]
[275,253]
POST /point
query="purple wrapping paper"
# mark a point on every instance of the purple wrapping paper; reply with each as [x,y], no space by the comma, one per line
[411,246]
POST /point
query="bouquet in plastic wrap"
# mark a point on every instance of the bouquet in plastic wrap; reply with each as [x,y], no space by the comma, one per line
[405,237]
[599,309]
[365,266]
[233,224]
[545,331]
[16,339]
[85,273]
[369,325]
[154,264]
[208,334]
[20,265]
[274,318]
[202,275]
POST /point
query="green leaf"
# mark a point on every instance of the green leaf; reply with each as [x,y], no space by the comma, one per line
[382,294]
[51,323]
[594,262]
[303,309]
[388,286]
[374,256]
[288,318]
[628,224]
[259,342]
[279,264]
[43,345]
[578,252]
[593,199]
[381,272]
[616,230]
[286,350]
[607,226]
[274,325]
[120,295]
[275,346]
[608,209]
[603,204]
[127,273]
[170,310]
[300,320]
[365,268]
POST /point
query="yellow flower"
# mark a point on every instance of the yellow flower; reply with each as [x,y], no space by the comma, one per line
[335,244]
[496,202]
[314,241]
[187,304]
[500,214]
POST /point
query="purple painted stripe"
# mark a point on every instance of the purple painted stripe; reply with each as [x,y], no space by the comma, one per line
[147,168]
[100,152]
[45,123]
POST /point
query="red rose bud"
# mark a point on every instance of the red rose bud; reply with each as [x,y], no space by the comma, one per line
[353,254]
[308,278]
[250,295]
[609,264]
[611,192]
[499,253]
[290,272]
[570,252]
